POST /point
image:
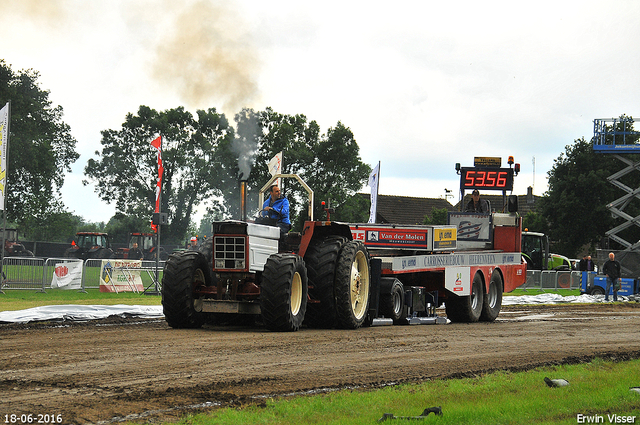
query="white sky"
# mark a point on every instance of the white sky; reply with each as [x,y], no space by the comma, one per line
[422,84]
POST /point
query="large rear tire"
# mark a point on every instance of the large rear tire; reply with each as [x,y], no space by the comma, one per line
[183,273]
[467,308]
[492,302]
[352,285]
[321,258]
[284,292]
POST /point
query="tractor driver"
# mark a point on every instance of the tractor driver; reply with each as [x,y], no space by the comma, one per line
[277,207]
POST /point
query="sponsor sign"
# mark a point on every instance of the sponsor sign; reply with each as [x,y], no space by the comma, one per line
[444,238]
[458,280]
[121,276]
[383,237]
[67,275]
[471,226]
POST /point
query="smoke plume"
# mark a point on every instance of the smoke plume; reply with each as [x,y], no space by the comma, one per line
[208,58]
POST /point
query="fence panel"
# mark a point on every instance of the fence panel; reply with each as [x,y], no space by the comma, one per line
[552,279]
[50,266]
[22,273]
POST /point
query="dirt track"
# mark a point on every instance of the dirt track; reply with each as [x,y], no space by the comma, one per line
[95,372]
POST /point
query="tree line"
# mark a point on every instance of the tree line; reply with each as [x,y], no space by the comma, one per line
[204,155]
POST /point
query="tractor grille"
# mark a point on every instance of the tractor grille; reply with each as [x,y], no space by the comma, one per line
[230,252]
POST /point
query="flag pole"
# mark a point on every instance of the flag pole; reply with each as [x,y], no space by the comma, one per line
[159,226]
[4,189]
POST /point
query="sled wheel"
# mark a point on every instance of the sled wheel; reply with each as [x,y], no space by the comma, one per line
[283,292]
[467,308]
[183,273]
[392,305]
[352,285]
[321,258]
[492,302]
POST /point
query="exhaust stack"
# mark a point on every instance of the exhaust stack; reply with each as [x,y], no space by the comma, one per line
[243,198]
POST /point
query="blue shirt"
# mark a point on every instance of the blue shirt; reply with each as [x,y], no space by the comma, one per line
[280,209]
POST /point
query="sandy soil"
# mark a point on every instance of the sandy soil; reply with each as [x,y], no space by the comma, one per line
[106,370]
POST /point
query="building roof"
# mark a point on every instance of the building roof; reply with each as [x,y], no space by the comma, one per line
[406,209]
[526,203]
[412,210]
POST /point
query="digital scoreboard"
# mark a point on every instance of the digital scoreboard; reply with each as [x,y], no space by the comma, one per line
[482,178]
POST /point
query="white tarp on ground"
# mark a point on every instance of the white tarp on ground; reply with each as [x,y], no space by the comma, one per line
[559,299]
[91,312]
[80,312]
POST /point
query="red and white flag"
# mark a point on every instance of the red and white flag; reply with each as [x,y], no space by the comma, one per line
[157,143]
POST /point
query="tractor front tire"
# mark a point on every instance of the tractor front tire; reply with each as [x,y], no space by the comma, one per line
[284,292]
[352,285]
[183,273]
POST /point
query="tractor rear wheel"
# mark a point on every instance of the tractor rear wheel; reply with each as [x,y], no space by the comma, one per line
[352,285]
[283,292]
[321,260]
[183,274]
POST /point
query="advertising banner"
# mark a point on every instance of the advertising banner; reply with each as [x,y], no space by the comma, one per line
[471,226]
[4,148]
[121,276]
[67,275]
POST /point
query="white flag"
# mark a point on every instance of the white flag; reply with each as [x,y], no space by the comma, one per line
[374,179]
[4,146]
[275,166]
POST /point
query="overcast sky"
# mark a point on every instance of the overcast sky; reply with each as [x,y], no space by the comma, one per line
[422,84]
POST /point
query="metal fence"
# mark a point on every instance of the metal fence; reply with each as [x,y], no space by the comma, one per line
[552,279]
[33,273]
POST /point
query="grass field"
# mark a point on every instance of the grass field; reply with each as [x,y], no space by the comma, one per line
[598,390]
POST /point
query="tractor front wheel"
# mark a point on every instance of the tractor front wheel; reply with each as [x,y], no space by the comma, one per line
[283,292]
[183,274]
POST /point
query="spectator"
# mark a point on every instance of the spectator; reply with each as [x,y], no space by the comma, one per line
[193,246]
[135,253]
[612,269]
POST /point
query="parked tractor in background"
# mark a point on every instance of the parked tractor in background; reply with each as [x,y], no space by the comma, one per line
[535,250]
[12,247]
[90,245]
[147,244]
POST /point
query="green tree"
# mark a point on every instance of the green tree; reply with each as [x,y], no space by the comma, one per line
[120,226]
[575,206]
[41,150]
[439,216]
[329,163]
[126,171]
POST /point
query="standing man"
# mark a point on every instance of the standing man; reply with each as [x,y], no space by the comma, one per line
[476,204]
[194,244]
[135,253]
[277,207]
[612,269]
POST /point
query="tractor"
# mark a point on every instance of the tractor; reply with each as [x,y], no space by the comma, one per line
[146,242]
[90,245]
[12,247]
